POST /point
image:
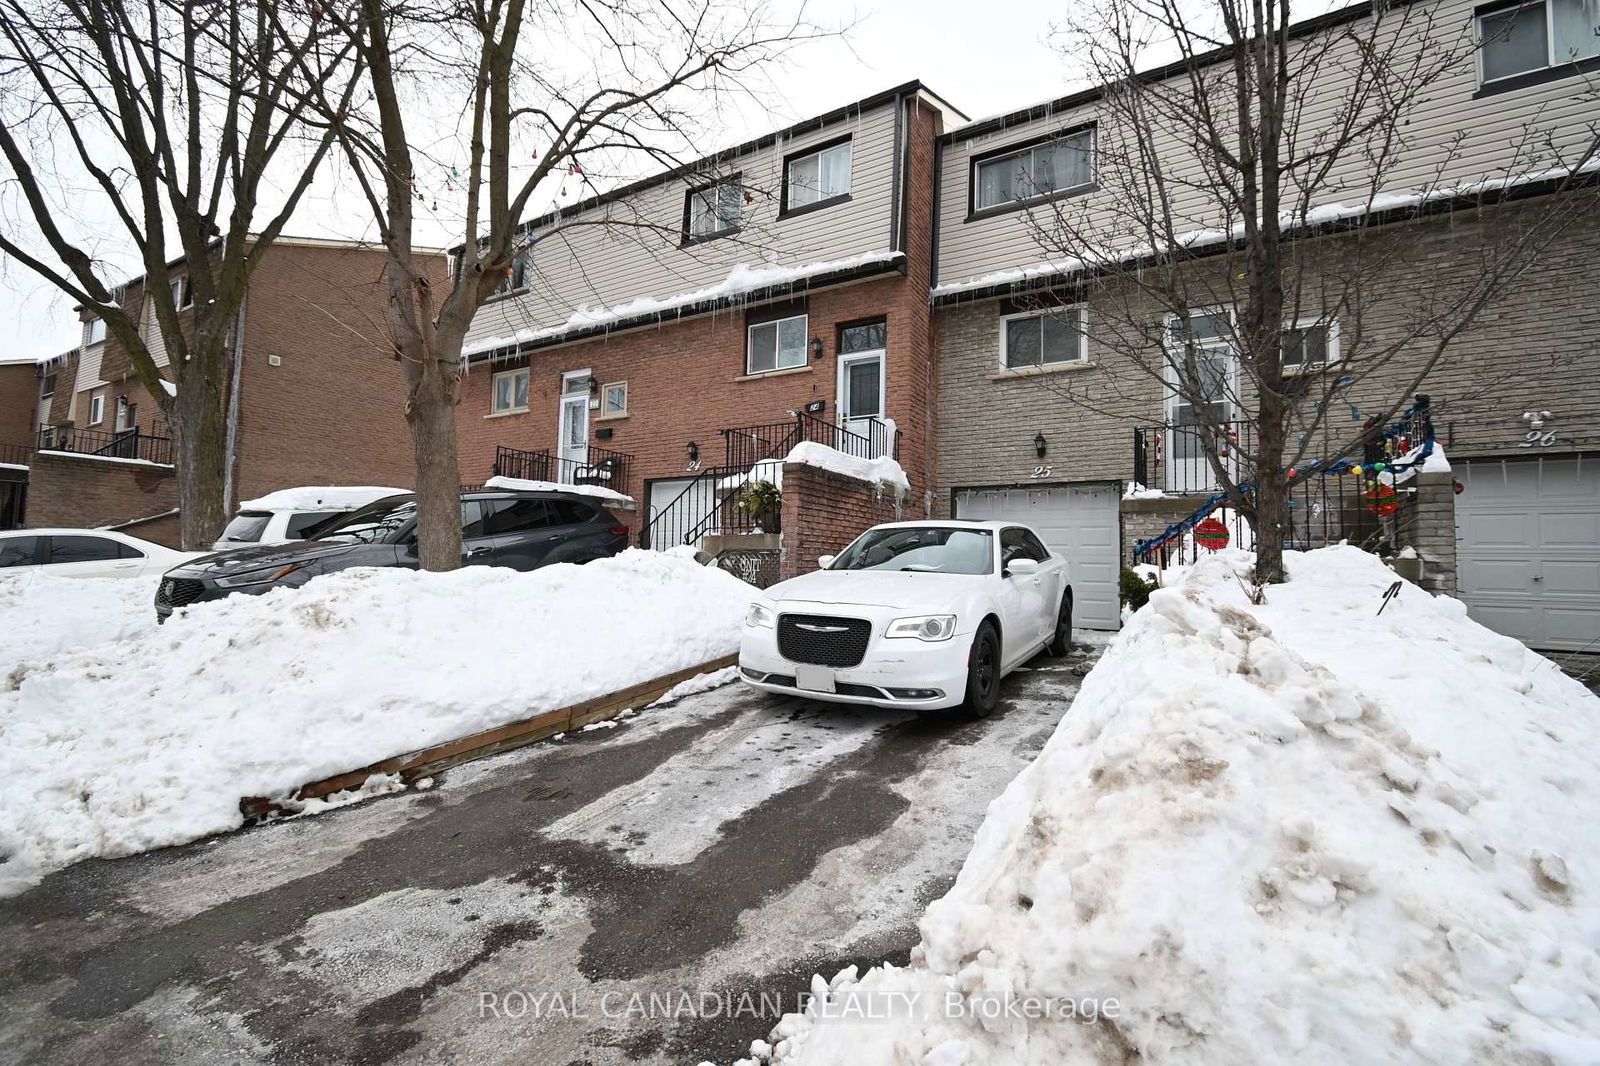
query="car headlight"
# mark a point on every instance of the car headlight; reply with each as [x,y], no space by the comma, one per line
[923,627]
[257,577]
[759,614]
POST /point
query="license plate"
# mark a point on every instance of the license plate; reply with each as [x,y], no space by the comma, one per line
[813,678]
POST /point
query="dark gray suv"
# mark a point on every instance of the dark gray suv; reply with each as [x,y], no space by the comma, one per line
[521,530]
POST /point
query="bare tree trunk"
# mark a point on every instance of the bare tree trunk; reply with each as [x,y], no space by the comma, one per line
[432,392]
[197,417]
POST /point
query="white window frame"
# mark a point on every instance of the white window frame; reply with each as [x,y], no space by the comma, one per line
[1332,358]
[182,293]
[711,195]
[777,353]
[494,392]
[1550,60]
[790,203]
[94,331]
[1083,339]
[122,423]
[977,185]
[97,408]
[605,400]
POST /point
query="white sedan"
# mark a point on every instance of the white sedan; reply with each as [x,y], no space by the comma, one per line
[921,615]
[83,553]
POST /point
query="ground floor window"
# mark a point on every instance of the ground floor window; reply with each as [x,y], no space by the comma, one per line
[614,399]
[510,391]
[1045,338]
[777,345]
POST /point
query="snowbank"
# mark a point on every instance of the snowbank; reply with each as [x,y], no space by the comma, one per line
[599,492]
[42,614]
[1299,831]
[885,473]
[154,741]
[312,497]
[742,279]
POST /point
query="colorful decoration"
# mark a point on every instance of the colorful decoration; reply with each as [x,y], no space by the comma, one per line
[1382,500]
[1211,534]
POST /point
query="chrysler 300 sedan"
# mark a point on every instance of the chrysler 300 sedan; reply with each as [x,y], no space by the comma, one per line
[922,615]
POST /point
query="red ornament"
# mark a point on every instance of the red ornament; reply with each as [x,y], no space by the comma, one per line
[1381,499]
[1211,534]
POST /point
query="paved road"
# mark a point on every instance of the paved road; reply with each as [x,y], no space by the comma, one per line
[647,893]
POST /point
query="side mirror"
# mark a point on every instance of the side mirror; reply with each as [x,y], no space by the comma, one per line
[826,561]
[1021,567]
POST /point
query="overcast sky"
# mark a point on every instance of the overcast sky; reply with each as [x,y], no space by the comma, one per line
[981,60]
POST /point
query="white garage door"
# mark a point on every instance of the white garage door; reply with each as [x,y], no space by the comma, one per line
[1081,523]
[672,525]
[1528,548]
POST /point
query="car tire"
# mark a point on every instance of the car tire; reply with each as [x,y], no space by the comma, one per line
[1061,644]
[983,673]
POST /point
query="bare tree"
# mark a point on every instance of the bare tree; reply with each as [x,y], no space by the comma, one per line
[1212,175]
[176,121]
[545,90]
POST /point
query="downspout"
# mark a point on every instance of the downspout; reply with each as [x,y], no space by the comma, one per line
[235,382]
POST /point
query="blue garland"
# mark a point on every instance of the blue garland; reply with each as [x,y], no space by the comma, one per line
[1342,466]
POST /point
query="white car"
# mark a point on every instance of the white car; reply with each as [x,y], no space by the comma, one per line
[294,514]
[922,615]
[84,553]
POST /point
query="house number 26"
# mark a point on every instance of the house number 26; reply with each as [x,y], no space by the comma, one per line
[1041,471]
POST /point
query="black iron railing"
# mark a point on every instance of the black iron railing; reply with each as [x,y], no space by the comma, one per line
[864,438]
[1172,459]
[601,466]
[121,444]
[16,454]
[745,446]
[708,503]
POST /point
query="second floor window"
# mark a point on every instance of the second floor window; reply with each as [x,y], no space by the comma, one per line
[510,391]
[517,273]
[182,297]
[777,345]
[817,177]
[1047,338]
[1310,344]
[714,211]
[1521,38]
[1058,165]
[94,331]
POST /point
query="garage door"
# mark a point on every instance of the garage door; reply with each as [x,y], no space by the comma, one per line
[1528,548]
[1081,523]
[673,516]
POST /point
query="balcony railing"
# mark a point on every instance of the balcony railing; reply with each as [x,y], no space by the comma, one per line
[16,454]
[601,466]
[120,444]
[1172,459]
[865,438]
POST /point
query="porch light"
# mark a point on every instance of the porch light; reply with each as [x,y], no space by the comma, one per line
[1040,445]
[694,452]
[594,385]
[816,347]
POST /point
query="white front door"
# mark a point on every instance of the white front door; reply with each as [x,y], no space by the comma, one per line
[1193,415]
[861,405]
[574,429]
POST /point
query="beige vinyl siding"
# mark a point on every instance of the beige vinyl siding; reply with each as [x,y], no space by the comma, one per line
[582,265]
[1492,128]
[89,365]
[153,338]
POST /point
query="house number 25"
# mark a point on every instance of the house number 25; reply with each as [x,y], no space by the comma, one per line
[1041,471]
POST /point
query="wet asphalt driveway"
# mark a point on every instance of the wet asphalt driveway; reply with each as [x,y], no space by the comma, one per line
[653,892]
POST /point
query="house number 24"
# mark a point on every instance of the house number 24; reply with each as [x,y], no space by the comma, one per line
[1041,471]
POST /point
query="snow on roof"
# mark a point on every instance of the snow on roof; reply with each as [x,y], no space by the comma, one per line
[742,279]
[599,492]
[315,497]
[1296,824]
[883,472]
[1202,238]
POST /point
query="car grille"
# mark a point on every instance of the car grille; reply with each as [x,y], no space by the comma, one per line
[178,592]
[822,640]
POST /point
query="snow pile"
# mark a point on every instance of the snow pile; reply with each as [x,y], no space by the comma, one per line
[320,497]
[742,279]
[1136,491]
[154,741]
[1299,831]
[519,484]
[884,473]
[43,614]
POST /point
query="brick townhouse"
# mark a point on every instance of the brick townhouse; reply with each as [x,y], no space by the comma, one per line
[1039,419]
[779,293]
[316,399]
[24,384]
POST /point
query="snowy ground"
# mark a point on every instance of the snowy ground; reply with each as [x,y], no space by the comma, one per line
[42,615]
[1300,831]
[551,906]
[154,740]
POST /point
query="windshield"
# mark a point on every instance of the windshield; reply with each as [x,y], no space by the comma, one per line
[373,524]
[246,527]
[921,549]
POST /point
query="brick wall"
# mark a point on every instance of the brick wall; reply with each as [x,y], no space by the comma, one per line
[823,512]
[1537,347]
[687,380]
[73,491]
[19,402]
